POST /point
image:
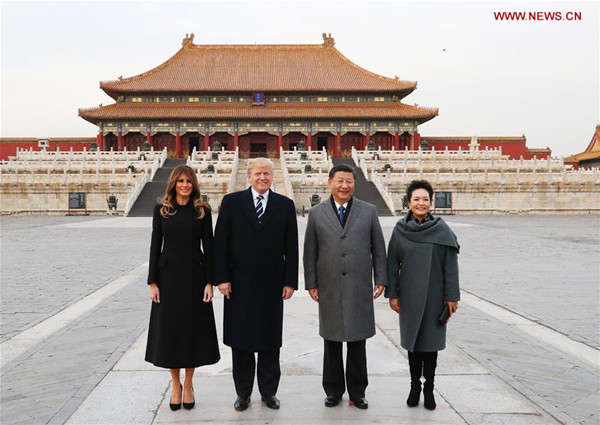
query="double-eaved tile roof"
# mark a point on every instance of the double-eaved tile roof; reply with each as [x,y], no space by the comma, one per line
[250,68]
[305,70]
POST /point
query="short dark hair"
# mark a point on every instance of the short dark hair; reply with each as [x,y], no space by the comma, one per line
[343,168]
[418,184]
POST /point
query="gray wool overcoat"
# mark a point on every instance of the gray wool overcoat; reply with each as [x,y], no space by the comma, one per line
[422,276]
[340,262]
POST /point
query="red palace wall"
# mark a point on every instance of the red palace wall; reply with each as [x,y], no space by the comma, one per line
[514,148]
[9,147]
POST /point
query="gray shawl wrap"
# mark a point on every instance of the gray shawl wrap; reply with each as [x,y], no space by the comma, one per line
[434,231]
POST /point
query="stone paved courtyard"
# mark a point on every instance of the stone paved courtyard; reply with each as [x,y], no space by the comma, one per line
[543,268]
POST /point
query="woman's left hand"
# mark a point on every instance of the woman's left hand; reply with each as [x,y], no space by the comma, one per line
[208,293]
[452,306]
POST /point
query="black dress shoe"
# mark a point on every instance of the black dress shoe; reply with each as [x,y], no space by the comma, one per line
[332,401]
[177,406]
[189,406]
[271,401]
[361,403]
[241,403]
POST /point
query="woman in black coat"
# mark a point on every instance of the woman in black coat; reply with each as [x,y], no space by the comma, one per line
[423,281]
[182,331]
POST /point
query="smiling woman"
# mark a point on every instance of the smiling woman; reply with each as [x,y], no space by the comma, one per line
[423,286]
[182,332]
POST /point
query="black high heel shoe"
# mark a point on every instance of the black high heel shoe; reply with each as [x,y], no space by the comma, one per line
[189,406]
[177,406]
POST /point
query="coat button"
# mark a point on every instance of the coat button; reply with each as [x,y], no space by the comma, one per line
[343,254]
[344,273]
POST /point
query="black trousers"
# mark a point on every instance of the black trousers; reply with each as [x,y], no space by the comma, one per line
[356,369]
[268,372]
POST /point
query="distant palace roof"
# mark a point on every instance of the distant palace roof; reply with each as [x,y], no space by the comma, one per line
[248,68]
[591,153]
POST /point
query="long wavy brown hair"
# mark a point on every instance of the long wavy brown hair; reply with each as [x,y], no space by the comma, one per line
[167,209]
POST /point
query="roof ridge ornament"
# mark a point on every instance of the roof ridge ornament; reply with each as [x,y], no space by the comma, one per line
[328,40]
[188,41]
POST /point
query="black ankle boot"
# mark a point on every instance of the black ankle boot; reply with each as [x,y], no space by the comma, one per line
[415,364]
[414,395]
[428,398]
[429,365]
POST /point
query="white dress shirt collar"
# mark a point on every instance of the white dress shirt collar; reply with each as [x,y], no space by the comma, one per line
[264,195]
[337,206]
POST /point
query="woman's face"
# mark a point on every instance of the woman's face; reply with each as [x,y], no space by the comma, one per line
[420,204]
[184,186]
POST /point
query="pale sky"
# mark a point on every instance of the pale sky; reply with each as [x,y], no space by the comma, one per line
[487,77]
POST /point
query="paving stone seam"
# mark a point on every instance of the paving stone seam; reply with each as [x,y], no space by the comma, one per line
[580,361]
[72,404]
[162,401]
[52,312]
[67,305]
[519,387]
[536,399]
[400,350]
[528,316]
[79,395]
[51,336]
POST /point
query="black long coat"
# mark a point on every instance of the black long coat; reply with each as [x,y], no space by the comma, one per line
[258,260]
[182,331]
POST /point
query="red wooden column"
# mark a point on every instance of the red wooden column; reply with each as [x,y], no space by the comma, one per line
[206,141]
[100,141]
[178,147]
[149,138]
[396,141]
[337,145]
[416,140]
[367,139]
[309,141]
[279,143]
[236,140]
[120,141]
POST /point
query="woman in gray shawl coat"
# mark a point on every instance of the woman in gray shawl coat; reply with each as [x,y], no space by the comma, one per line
[423,279]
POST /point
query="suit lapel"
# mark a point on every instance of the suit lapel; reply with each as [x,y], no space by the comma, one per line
[330,214]
[248,207]
[271,207]
[354,213]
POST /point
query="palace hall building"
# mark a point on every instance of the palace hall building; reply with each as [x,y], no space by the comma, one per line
[258,98]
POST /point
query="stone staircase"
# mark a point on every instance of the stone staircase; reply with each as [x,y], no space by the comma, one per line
[144,206]
[366,190]
[278,185]
[241,179]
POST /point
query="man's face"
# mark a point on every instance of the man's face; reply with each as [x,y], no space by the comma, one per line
[260,178]
[342,186]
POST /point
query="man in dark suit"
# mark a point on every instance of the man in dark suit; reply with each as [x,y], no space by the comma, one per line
[343,250]
[256,267]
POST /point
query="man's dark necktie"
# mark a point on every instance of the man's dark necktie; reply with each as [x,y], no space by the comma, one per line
[341,214]
[259,208]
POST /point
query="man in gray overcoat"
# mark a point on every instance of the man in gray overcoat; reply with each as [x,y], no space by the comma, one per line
[343,246]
